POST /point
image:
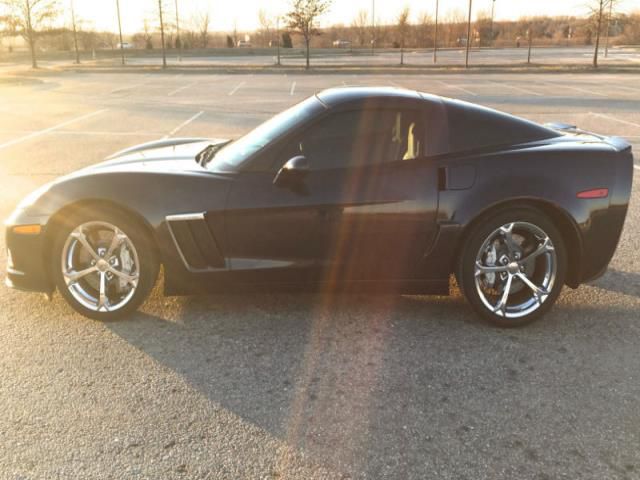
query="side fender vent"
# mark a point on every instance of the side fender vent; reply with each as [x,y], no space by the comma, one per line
[195,242]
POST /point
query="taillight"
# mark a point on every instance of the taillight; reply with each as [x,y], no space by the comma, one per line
[594,193]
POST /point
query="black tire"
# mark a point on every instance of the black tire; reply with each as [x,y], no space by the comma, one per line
[481,231]
[137,234]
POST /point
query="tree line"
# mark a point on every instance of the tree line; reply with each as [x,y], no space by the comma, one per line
[33,20]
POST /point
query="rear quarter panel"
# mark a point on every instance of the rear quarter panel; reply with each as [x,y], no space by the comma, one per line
[551,175]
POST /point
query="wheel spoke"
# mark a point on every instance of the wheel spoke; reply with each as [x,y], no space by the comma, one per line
[507,231]
[73,277]
[484,269]
[82,238]
[103,301]
[542,248]
[537,291]
[501,306]
[132,279]
[116,241]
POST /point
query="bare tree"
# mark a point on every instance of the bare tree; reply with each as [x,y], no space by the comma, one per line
[30,16]
[201,21]
[266,25]
[148,37]
[301,18]
[361,26]
[597,9]
[424,22]
[454,26]
[403,27]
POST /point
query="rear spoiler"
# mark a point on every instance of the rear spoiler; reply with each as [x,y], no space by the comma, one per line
[619,144]
[561,126]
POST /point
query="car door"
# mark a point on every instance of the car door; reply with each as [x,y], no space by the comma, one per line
[364,211]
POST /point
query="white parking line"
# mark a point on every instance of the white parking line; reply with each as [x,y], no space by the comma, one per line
[236,88]
[182,125]
[178,90]
[631,89]
[609,117]
[124,89]
[293,88]
[449,85]
[513,87]
[51,129]
[578,89]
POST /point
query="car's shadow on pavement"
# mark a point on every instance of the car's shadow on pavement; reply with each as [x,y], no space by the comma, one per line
[627,283]
[391,384]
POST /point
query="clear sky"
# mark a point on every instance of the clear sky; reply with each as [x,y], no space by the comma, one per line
[101,14]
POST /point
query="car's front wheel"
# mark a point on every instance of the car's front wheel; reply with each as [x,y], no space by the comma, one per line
[103,264]
[513,266]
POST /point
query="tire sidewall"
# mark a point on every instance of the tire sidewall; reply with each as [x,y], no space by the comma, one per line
[137,235]
[480,232]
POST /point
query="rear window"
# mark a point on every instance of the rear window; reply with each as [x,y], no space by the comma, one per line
[472,127]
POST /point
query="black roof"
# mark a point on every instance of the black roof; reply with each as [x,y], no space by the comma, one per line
[336,96]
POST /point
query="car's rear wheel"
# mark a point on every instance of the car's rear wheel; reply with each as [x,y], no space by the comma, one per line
[513,266]
[103,264]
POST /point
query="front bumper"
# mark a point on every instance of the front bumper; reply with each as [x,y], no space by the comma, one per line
[27,255]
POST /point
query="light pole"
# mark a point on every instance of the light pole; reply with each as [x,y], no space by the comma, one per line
[435,36]
[178,41]
[466,60]
[606,41]
[164,54]
[120,30]
[278,38]
[373,25]
[75,32]
[493,7]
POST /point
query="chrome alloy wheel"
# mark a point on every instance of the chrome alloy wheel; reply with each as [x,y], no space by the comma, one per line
[515,269]
[100,266]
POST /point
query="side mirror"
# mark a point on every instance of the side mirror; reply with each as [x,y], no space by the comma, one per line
[292,172]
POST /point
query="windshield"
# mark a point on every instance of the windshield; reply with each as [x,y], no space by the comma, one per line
[234,154]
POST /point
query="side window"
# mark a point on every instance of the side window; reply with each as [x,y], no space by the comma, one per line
[361,137]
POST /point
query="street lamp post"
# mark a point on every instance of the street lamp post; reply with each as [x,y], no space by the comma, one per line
[466,60]
[373,25]
[120,30]
[75,32]
[606,41]
[493,8]
[164,53]
[435,36]
[178,41]
[278,38]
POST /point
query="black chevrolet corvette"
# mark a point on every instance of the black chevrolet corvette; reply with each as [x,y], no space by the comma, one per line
[366,189]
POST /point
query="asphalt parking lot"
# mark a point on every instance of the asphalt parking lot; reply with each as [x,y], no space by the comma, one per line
[309,386]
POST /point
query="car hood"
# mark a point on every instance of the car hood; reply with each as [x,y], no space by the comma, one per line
[176,155]
[167,154]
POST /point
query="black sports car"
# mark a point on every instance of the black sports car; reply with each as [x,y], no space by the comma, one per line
[373,189]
